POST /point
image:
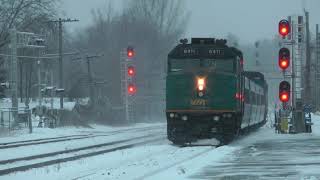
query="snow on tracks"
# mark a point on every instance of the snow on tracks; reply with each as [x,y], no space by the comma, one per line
[69,138]
[70,155]
[56,151]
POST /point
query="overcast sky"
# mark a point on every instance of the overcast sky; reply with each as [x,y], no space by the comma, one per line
[248,19]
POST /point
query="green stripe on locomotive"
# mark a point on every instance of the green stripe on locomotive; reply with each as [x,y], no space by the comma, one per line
[220,92]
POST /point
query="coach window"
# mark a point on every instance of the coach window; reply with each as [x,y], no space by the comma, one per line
[220,65]
[246,96]
[252,99]
[255,98]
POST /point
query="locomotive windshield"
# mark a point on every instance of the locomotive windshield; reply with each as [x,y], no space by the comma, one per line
[187,65]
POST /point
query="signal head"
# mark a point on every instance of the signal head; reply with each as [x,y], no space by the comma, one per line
[132,89]
[284,27]
[130,52]
[131,71]
[284,91]
[284,58]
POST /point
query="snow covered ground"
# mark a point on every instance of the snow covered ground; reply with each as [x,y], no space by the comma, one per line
[6,103]
[261,155]
[7,119]
[266,155]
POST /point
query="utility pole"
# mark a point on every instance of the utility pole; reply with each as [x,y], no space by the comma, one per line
[20,80]
[60,21]
[90,78]
[317,68]
[13,74]
[308,59]
[60,63]
[92,97]
[39,83]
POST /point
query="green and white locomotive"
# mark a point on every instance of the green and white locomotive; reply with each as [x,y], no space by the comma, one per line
[209,95]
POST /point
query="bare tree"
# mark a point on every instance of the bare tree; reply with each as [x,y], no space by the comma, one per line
[22,14]
[3,75]
[168,16]
[151,26]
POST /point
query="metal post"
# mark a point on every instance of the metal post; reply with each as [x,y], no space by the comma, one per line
[51,82]
[2,118]
[14,72]
[10,111]
[29,120]
[90,81]
[317,68]
[60,63]
[20,66]
[307,91]
[39,82]
[293,73]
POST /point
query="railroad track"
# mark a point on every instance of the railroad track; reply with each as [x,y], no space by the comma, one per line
[157,155]
[71,137]
[166,167]
[42,160]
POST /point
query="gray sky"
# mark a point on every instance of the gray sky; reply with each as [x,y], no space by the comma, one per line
[248,19]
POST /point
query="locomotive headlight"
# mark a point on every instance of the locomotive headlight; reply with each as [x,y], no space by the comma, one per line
[201,84]
[171,115]
[184,118]
[200,94]
[216,118]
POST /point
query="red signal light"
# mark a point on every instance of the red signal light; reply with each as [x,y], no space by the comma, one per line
[132,89]
[284,58]
[239,96]
[284,97]
[284,28]
[284,64]
[284,91]
[130,52]
[131,71]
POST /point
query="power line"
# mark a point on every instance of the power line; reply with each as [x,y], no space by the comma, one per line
[60,21]
[90,58]
[52,56]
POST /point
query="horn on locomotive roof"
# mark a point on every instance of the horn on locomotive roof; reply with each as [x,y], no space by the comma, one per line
[183,41]
[208,41]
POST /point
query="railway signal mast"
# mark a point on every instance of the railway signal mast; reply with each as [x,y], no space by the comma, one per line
[284,62]
[290,62]
[128,85]
[284,86]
